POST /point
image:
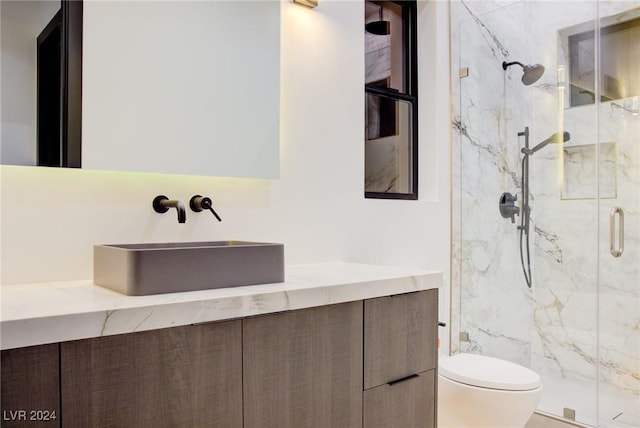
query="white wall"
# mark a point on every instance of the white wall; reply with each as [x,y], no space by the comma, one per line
[51,218]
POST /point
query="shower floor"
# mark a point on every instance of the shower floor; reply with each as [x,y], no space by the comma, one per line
[617,409]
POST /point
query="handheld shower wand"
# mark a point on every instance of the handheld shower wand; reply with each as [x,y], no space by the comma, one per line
[555,138]
[507,201]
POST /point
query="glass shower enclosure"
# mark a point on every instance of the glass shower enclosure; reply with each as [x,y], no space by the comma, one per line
[574,134]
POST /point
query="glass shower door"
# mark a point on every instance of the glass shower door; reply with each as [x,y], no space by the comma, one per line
[619,270]
[495,302]
[564,186]
[619,222]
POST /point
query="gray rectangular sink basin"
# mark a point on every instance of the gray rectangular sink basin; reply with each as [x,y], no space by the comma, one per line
[142,269]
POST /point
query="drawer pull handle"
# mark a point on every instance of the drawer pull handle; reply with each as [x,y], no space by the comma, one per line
[393,382]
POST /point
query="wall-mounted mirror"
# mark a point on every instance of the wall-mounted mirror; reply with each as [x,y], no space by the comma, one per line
[187,87]
[41,82]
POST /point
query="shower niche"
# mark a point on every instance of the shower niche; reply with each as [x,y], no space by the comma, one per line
[589,171]
[580,172]
[619,48]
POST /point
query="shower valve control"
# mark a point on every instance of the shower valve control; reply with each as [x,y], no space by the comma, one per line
[507,205]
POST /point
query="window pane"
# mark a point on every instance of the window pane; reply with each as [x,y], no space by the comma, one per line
[388,146]
[384,53]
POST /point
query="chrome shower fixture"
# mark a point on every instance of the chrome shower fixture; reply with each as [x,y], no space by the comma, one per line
[530,73]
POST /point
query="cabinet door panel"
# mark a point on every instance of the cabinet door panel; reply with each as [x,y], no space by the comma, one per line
[184,376]
[406,404]
[400,336]
[31,387]
[304,368]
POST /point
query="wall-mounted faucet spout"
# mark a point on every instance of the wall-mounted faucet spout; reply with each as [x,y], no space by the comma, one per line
[161,204]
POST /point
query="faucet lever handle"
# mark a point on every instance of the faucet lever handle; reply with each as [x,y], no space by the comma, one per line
[200,203]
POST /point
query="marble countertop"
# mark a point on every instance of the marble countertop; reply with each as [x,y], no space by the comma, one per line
[36,314]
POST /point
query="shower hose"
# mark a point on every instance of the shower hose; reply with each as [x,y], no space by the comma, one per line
[524,220]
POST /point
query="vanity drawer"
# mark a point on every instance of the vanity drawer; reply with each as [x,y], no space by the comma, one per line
[400,336]
[406,403]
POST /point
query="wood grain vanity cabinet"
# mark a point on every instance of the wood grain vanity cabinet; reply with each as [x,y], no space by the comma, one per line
[400,359]
[30,387]
[188,376]
[362,364]
[304,368]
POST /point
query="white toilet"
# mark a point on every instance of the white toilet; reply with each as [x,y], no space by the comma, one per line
[479,391]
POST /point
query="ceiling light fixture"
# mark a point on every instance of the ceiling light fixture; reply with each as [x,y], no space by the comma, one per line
[307,3]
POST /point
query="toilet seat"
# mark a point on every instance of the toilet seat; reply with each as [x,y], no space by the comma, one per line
[488,372]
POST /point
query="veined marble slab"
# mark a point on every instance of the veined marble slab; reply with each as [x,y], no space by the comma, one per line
[54,312]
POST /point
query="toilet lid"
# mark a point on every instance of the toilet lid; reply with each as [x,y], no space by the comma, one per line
[488,372]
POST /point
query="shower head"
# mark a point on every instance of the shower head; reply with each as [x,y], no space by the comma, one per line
[555,138]
[530,73]
[378,28]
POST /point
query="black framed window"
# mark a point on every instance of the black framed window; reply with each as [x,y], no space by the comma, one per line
[391,100]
